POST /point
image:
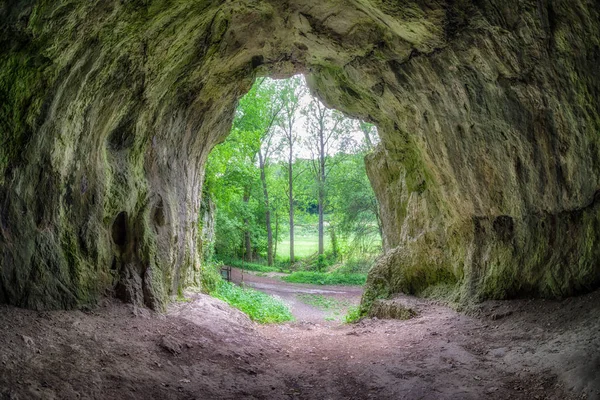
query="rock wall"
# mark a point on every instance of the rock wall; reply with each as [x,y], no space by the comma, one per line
[494,190]
[488,112]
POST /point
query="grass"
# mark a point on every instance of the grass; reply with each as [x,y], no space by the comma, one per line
[304,246]
[341,310]
[260,307]
[251,266]
[322,278]
[306,242]
[324,303]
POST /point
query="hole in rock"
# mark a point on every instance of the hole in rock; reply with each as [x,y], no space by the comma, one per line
[119,229]
[123,136]
[293,200]
[159,215]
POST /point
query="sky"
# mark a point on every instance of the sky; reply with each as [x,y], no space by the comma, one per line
[300,126]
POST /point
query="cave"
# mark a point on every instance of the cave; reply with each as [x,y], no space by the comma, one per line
[487,174]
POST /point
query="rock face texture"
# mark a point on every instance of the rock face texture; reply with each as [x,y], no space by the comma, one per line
[487,172]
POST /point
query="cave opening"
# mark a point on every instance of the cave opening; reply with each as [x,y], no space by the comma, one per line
[292,199]
[486,177]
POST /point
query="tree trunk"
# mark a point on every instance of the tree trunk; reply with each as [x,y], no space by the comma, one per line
[321,182]
[276,233]
[247,239]
[334,242]
[291,194]
[367,134]
[263,179]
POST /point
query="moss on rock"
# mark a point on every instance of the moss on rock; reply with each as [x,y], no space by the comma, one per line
[488,118]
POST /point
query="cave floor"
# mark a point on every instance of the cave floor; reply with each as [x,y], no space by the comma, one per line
[203,349]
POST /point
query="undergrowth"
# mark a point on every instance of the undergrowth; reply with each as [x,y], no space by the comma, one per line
[322,278]
[260,307]
[353,315]
[248,266]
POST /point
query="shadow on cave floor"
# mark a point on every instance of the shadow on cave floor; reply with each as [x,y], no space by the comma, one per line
[203,349]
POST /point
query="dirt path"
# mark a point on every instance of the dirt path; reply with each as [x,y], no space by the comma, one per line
[203,349]
[300,296]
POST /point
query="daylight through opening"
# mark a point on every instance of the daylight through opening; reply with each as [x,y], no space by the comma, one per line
[293,201]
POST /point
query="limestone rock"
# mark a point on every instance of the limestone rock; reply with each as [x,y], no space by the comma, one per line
[488,171]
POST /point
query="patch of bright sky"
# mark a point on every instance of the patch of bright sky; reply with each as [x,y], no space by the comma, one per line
[300,128]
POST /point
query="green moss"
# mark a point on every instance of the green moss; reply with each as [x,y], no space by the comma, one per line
[372,293]
[353,315]
[21,88]
[448,293]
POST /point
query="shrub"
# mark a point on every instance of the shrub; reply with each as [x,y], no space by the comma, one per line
[210,278]
[353,315]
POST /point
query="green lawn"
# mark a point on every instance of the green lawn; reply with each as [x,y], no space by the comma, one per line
[305,244]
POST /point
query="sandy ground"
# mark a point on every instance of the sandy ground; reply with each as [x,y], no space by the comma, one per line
[203,349]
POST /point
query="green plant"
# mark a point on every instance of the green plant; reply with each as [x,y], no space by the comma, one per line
[259,306]
[211,277]
[353,315]
[356,264]
[322,278]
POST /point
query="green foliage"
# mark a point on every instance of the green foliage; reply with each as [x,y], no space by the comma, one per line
[261,128]
[354,314]
[233,176]
[356,264]
[259,306]
[354,208]
[323,278]
[211,277]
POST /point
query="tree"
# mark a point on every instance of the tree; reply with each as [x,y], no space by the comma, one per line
[256,115]
[329,131]
[292,91]
[354,204]
[369,133]
[229,176]
[258,173]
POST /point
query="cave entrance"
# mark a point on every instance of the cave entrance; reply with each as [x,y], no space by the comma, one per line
[293,201]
